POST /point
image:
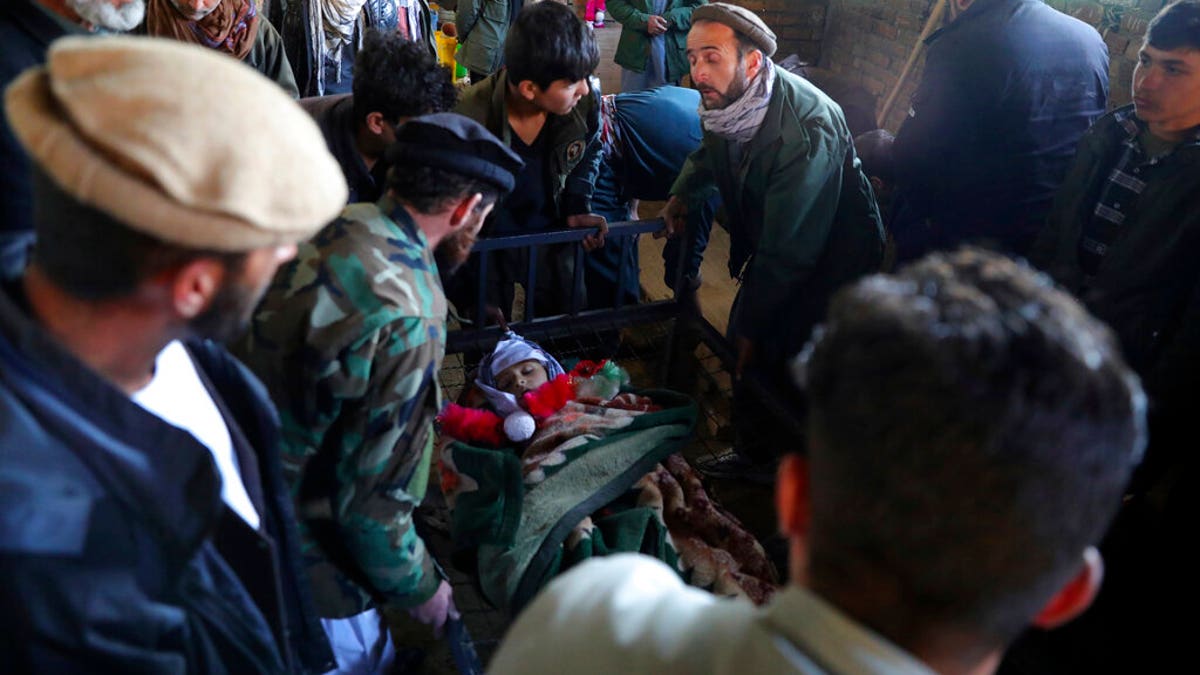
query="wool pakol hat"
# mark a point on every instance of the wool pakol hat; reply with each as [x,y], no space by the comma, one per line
[741,20]
[176,141]
[457,144]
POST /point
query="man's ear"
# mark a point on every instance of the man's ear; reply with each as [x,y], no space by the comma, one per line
[462,212]
[528,90]
[194,285]
[876,184]
[754,63]
[376,123]
[1077,595]
[792,498]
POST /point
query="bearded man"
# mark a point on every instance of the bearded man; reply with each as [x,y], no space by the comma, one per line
[802,218]
[145,526]
[349,340]
[27,27]
[232,27]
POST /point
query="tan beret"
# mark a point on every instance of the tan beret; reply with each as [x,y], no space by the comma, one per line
[177,141]
[741,20]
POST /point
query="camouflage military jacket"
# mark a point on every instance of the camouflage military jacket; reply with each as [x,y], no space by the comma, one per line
[349,340]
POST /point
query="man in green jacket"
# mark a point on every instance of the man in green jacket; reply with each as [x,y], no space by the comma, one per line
[653,42]
[801,215]
[542,107]
[482,26]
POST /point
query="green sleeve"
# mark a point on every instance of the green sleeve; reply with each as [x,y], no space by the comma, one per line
[466,17]
[696,182]
[389,398]
[623,13]
[680,17]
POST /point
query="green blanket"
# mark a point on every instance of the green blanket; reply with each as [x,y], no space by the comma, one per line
[568,499]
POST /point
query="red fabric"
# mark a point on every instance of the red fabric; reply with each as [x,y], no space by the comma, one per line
[549,398]
[472,425]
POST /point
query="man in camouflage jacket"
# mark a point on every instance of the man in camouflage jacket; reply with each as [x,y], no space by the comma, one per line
[349,340]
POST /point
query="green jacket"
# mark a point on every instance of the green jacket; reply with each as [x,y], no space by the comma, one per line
[268,57]
[1147,288]
[574,141]
[802,218]
[634,46]
[482,26]
[349,340]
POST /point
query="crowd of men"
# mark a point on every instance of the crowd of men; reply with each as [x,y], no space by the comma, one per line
[973,424]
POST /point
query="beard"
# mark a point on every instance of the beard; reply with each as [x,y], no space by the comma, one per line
[103,15]
[737,87]
[454,250]
[228,315]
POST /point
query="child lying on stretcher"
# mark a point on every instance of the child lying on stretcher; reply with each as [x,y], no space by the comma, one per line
[585,443]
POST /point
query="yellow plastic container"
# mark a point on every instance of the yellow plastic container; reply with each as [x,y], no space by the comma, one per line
[446,46]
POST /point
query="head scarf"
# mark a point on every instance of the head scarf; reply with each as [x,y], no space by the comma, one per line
[740,120]
[513,349]
[230,28]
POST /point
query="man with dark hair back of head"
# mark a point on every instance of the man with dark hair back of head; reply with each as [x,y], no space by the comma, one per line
[349,340]
[972,431]
[27,27]
[1122,236]
[145,524]
[394,80]
[801,217]
[543,107]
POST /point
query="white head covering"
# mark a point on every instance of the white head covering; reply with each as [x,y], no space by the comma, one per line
[513,349]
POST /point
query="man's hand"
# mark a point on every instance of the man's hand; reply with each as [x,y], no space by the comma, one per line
[656,25]
[436,610]
[745,354]
[587,220]
[674,214]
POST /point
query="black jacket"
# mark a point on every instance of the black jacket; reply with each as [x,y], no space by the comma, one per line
[26,31]
[1147,288]
[1008,89]
[116,550]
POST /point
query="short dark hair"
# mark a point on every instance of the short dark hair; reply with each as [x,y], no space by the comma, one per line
[429,190]
[399,78]
[1176,26]
[972,431]
[547,42]
[93,257]
[875,152]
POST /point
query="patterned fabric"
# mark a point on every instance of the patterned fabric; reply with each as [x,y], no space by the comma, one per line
[1121,192]
[349,340]
[230,28]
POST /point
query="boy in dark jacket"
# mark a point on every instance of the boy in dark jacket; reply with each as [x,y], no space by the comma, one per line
[543,107]
[1124,236]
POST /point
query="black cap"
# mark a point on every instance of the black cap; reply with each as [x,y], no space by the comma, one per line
[455,143]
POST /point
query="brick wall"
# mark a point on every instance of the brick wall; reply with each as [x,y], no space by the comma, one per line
[798,24]
[867,42]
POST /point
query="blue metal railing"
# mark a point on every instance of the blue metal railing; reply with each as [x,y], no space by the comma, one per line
[538,327]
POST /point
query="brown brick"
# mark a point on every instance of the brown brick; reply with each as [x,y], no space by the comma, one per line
[1134,23]
[1131,52]
[1116,42]
[887,30]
